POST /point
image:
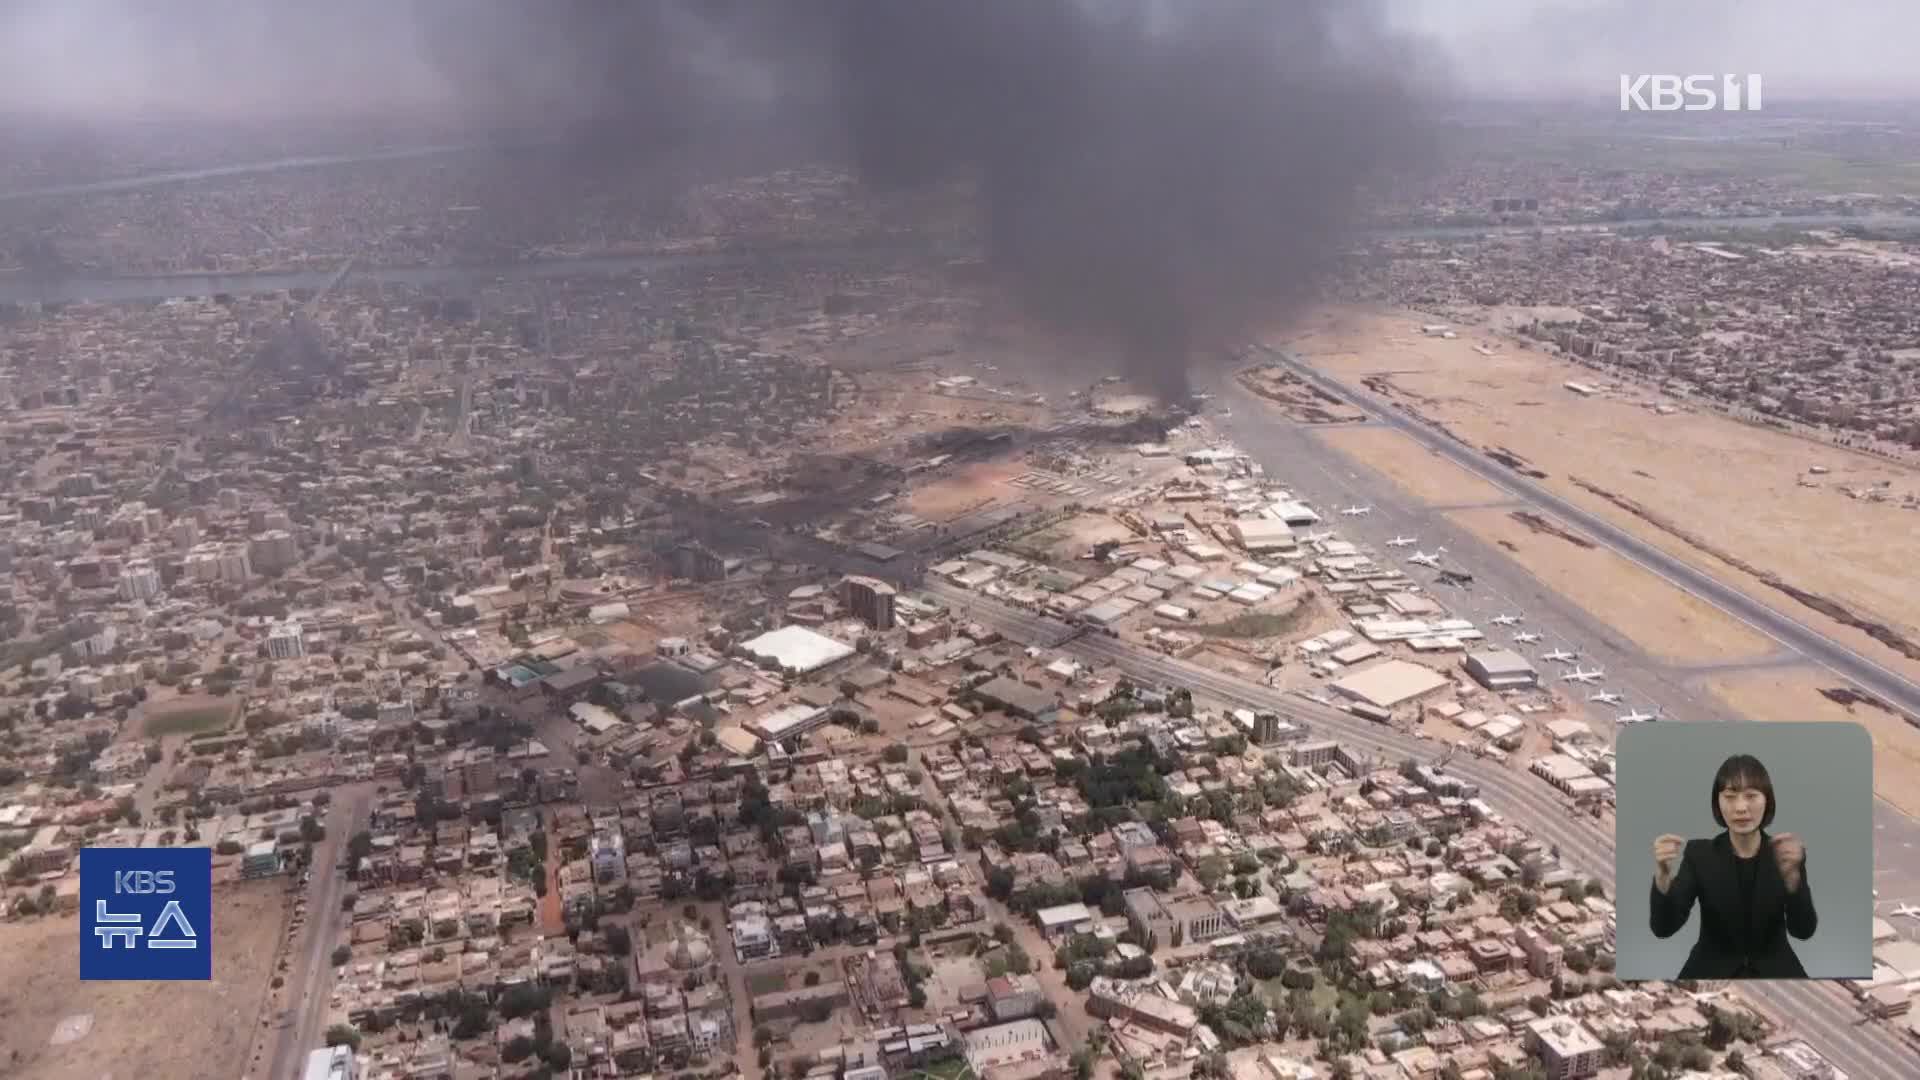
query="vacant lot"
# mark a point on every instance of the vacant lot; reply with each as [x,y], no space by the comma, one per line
[1416,470]
[1067,541]
[187,716]
[1661,620]
[1723,495]
[966,489]
[1813,694]
[189,1029]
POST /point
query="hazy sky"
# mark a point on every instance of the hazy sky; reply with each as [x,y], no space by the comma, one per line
[271,55]
[1801,48]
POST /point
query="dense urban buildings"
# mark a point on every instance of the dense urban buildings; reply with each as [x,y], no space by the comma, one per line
[594,646]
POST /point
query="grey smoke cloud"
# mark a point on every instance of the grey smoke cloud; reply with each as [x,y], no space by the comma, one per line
[1575,49]
[1159,178]
[273,57]
[1156,175]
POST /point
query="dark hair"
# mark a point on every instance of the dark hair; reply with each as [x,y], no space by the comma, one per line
[1743,771]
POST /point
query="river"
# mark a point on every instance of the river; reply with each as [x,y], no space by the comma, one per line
[20,288]
[148,180]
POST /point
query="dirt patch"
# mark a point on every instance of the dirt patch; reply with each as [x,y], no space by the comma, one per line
[967,489]
[1661,620]
[1800,694]
[1415,469]
[1546,528]
[132,1030]
[1065,542]
[1260,625]
[187,716]
[1298,400]
[1832,609]
[1847,697]
[1515,462]
[1744,491]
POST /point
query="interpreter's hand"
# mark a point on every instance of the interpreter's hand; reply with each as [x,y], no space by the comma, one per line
[1789,854]
[1667,850]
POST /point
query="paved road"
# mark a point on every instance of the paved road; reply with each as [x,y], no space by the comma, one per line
[1499,585]
[1821,1012]
[1801,638]
[310,980]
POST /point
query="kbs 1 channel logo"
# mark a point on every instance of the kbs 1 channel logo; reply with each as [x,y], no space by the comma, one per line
[146,914]
[1689,93]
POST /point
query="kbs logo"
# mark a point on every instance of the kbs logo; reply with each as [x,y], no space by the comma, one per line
[146,913]
[143,882]
[1689,93]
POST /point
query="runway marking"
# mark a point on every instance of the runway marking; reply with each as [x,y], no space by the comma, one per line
[1543,499]
[1764,663]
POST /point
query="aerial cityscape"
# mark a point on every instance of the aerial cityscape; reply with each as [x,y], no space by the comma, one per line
[896,607]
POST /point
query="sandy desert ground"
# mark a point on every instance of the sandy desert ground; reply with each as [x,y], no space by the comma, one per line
[189,1030]
[1420,472]
[1731,488]
[965,489]
[1797,694]
[1665,622]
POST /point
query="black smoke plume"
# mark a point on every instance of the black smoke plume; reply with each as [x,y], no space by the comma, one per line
[1159,177]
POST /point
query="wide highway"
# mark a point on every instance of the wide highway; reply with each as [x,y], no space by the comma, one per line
[1862,671]
[1821,1012]
[312,970]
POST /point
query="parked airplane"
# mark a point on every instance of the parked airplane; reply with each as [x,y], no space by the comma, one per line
[1605,697]
[1424,559]
[1357,511]
[1560,656]
[1527,638]
[1580,676]
[1906,909]
[1505,620]
[1403,541]
[1635,716]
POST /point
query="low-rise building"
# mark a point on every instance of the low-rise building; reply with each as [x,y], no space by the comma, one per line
[1568,1051]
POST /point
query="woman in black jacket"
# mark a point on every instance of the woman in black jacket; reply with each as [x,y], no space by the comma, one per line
[1751,887]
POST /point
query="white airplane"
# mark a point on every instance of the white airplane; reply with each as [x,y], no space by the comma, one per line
[1560,656]
[1580,676]
[1635,716]
[1314,538]
[1424,559]
[1605,697]
[1527,638]
[1505,620]
[1905,909]
[1403,541]
[1357,511]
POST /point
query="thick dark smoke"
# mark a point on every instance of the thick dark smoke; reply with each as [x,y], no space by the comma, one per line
[1163,178]
[1157,177]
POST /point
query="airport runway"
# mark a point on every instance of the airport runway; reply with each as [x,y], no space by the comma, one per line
[1299,462]
[1862,671]
[1822,1013]
[1296,460]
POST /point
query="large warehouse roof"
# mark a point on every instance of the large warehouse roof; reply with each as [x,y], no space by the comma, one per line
[797,648]
[1017,697]
[1392,683]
